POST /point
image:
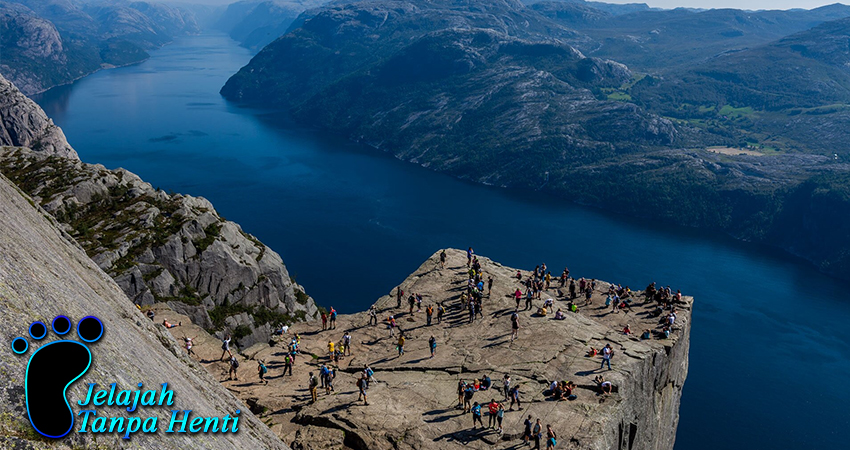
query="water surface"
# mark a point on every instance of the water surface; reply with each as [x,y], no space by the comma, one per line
[769,353]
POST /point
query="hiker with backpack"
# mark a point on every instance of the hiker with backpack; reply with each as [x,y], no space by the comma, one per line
[262,370]
[346,344]
[361,383]
[333,319]
[287,364]
[440,312]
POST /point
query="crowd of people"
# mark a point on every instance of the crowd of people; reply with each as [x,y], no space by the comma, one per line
[578,293]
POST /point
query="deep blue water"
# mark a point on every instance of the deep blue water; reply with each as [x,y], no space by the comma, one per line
[769,355]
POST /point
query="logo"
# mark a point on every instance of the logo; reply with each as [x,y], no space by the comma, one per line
[52,368]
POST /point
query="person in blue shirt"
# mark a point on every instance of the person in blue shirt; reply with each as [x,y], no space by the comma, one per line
[476,415]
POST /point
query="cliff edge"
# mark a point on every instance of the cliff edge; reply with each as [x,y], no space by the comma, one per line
[24,124]
[43,273]
[413,403]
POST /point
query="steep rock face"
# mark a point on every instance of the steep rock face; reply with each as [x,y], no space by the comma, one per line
[161,247]
[43,273]
[24,124]
[411,406]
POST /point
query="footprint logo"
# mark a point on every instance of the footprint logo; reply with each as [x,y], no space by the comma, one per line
[52,368]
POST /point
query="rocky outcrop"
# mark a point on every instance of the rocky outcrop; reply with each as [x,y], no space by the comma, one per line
[412,404]
[44,273]
[163,247]
[23,123]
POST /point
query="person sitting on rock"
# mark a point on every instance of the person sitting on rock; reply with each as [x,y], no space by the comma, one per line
[168,324]
[647,334]
[626,330]
[559,315]
[151,314]
[486,383]
[605,387]
[542,311]
[592,352]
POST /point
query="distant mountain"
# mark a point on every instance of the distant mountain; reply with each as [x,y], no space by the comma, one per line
[46,43]
[660,40]
[613,9]
[793,93]
[496,92]
[255,24]
[426,80]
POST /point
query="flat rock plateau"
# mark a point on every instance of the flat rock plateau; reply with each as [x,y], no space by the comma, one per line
[413,404]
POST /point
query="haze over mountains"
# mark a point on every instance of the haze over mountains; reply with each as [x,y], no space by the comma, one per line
[46,43]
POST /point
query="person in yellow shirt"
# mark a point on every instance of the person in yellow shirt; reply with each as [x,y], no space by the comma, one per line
[400,345]
[331,349]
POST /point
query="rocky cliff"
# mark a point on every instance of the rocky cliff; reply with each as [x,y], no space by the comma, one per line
[163,247]
[24,124]
[44,273]
[159,247]
[412,404]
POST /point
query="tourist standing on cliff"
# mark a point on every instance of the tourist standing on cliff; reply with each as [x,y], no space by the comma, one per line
[399,293]
[493,408]
[391,325]
[373,316]
[314,385]
[551,438]
[225,347]
[188,342]
[537,433]
[331,349]
[400,345]
[515,398]
[514,326]
[234,365]
[346,342]
[506,386]
[607,353]
[333,318]
[261,371]
[526,433]
[476,415]
[361,386]
[443,258]
[432,344]
[429,312]
[287,364]
[469,254]
[324,321]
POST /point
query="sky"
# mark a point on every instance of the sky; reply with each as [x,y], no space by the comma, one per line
[738,4]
